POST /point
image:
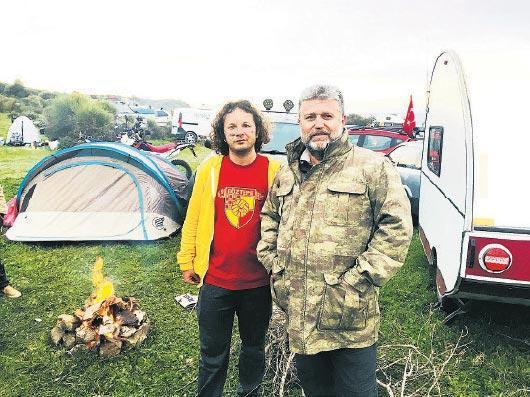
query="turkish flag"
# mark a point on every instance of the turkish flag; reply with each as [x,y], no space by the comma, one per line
[410,123]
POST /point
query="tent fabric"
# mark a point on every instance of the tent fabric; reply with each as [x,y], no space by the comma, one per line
[22,132]
[100,191]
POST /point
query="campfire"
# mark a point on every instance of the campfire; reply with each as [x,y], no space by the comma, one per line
[107,323]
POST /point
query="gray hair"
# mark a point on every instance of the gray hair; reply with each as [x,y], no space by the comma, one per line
[322,91]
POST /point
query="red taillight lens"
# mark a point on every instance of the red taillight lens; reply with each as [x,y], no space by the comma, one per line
[495,258]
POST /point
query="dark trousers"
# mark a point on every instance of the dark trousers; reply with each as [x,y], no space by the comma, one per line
[4,282]
[338,373]
[216,309]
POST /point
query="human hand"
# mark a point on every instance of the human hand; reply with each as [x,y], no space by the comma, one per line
[191,277]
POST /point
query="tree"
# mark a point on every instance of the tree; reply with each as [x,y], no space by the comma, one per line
[6,104]
[17,89]
[359,120]
[76,116]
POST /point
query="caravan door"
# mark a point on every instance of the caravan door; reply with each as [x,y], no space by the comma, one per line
[445,210]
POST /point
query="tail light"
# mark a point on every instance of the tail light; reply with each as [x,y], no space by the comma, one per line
[495,258]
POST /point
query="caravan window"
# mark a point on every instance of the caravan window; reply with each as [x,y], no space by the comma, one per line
[434,158]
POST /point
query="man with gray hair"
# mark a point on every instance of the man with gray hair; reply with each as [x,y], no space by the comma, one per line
[335,228]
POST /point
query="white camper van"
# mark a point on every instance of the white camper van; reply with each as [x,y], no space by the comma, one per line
[474,221]
[191,124]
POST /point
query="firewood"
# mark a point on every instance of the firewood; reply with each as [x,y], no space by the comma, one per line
[127,318]
[85,334]
[79,314]
[69,340]
[91,311]
[110,348]
[140,315]
[57,334]
[126,332]
[139,336]
[69,322]
[107,329]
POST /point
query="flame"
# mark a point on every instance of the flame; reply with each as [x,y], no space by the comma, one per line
[103,287]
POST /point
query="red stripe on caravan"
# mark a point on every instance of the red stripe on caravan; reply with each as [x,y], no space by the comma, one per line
[440,283]
[426,246]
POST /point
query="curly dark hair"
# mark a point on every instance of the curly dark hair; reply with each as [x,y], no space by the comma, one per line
[218,135]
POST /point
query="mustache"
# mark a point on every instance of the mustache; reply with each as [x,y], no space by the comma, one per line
[319,133]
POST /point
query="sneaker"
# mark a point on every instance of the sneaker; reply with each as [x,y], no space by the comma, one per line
[10,292]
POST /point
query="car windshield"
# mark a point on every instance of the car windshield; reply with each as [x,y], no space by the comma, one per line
[407,156]
[282,134]
[354,139]
[377,142]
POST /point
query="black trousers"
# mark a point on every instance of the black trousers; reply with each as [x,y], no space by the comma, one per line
[339,373]
[4,282]
[216,309]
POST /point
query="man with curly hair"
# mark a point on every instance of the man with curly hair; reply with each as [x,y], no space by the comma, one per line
[218,248]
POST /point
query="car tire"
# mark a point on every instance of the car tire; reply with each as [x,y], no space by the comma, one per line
[190,137]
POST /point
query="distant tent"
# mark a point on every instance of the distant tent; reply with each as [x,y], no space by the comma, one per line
[100,191]
[22,132]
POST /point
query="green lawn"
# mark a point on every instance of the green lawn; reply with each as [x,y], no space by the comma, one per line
[485,353]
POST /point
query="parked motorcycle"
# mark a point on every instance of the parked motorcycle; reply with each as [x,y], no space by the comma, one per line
[135,137]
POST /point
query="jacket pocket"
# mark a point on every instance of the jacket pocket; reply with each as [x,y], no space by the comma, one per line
[345,199]
[342,307]
[279,290]
[279,285]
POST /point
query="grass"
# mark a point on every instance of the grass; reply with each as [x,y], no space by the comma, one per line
[491,359]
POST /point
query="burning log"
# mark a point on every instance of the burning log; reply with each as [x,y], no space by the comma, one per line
[107,323]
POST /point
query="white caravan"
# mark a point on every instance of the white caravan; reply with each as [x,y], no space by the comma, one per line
[474,221]
[191,124]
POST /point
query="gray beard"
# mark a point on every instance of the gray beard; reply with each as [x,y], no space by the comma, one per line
[316,153]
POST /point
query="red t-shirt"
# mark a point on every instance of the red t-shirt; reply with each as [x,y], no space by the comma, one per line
[241,193]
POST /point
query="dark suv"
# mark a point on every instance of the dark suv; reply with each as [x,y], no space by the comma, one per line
[282,132]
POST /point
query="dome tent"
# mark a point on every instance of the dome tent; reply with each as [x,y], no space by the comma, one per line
[22,132]
[100,191]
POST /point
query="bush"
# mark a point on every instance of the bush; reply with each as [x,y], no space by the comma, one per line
[34,102]
[46,95]
[67,141]
[78,116]
[158,132]
[6,104]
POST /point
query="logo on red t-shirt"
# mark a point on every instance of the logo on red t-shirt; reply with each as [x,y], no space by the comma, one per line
[239,204]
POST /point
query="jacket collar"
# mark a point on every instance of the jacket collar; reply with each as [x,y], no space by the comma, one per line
[334,149]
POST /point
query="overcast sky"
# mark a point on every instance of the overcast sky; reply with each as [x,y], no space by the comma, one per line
[205,52]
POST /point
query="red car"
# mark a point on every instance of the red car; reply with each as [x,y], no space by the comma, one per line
[378,140]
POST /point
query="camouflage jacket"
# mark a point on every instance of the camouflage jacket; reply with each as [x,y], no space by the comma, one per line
[331,242]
